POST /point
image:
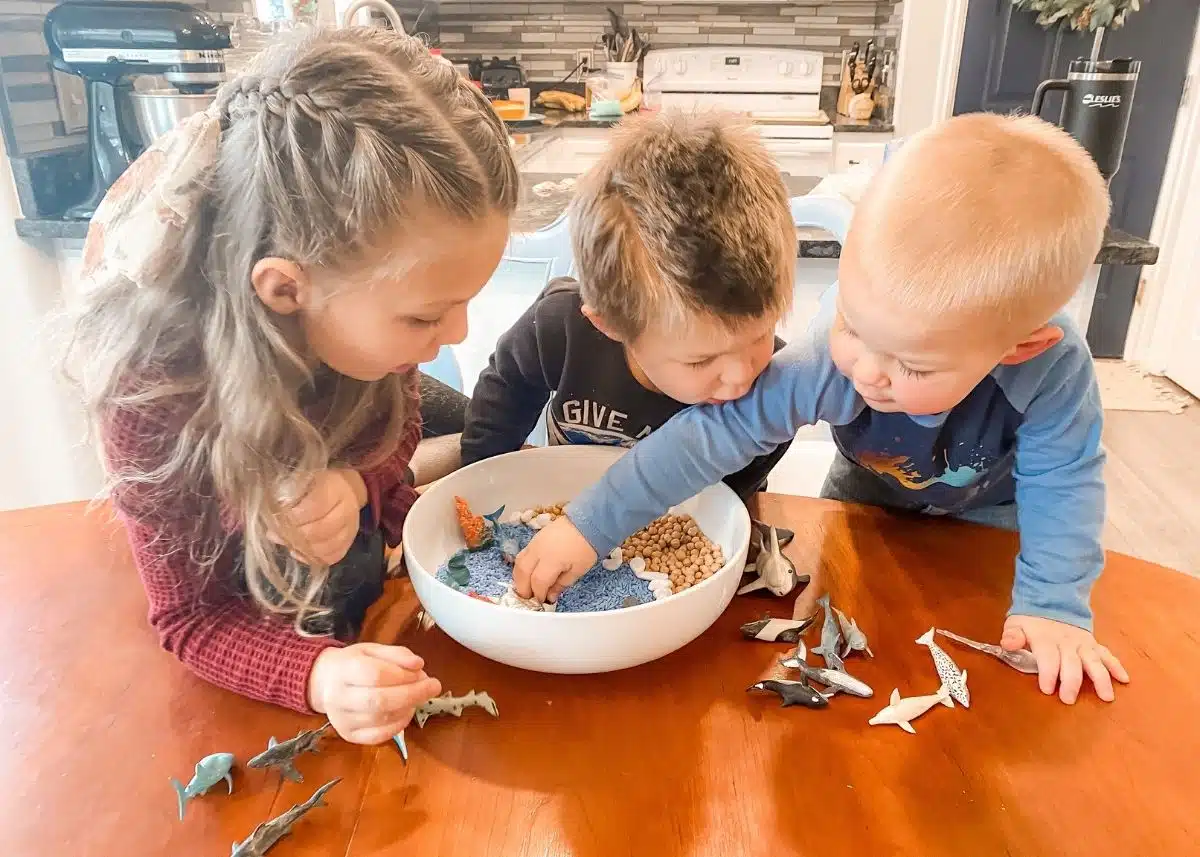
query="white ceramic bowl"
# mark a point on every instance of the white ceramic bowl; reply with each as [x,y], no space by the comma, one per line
[563,642]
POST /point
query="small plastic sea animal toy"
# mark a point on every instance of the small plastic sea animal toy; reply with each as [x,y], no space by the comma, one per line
[856,640]
[267,834]
[831,637]
[759,533]
[948,671]
[795,657]
[509,551]
[454,705]
[457,566]
[476,530]
[776,573]
[899,712]
[209,771]
[835,680]
[510,598]
[776,630]
[401,745]
[1021,660]
[793,693]
[283,754]
[631,601]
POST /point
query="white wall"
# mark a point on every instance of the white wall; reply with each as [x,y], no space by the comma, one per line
[42,455]
[930,45]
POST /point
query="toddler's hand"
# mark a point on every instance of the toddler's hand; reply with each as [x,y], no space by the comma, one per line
[327,516]
[368,690]
[1063,654]
[555,558]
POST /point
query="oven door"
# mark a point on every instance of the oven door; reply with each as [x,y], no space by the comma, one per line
[801,157]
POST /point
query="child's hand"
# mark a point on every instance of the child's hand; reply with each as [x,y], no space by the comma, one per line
[327,516]
[555,558]
[368,690]
[1063,654]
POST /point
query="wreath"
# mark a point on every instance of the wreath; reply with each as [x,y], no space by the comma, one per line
[1081,14]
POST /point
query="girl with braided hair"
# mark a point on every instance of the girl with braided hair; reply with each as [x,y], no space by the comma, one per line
[259,288]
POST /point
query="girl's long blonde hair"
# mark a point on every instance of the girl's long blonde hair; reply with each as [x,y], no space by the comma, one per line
[329,142]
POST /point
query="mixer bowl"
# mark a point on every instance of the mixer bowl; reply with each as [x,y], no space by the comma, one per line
[160,110]
[565,643]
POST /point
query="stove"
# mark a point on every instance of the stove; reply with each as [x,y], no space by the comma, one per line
[778,88]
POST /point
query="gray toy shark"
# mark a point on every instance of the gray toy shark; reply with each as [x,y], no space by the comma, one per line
[209,771]
[264,837]
[283,754]
[831,637]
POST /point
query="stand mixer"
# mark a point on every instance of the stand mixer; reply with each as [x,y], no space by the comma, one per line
[108,44]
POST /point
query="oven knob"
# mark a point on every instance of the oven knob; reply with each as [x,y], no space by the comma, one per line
[680,66]
[785,68]
[805,68]
[660,66]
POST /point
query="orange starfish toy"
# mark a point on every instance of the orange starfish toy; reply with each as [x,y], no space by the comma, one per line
[475,529]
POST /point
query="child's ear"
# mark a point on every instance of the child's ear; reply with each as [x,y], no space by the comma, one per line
[598,322]
[1038,342]
[281,285]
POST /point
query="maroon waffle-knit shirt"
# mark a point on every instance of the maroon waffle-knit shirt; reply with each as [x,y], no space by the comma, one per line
[205,619]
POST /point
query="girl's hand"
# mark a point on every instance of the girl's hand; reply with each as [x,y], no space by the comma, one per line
[327,516]
[1064,653]
[368,690]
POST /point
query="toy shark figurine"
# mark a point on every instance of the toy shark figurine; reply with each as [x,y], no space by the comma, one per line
[856,640]
[1022,660]
[900,712]
[952,677]
[209,771]
[266,835]
[282,755]
[776,630]
[776,573]
[448,704]
[759,533]
[831,637]
[794,693]
[401,745]
[835,680]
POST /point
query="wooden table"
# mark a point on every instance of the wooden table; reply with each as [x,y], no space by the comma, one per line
[672,759]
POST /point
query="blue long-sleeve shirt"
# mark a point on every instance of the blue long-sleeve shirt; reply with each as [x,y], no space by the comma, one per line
[1028,434]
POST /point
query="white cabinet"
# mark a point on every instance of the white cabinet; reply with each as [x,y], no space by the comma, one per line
[572,151]
[856,150]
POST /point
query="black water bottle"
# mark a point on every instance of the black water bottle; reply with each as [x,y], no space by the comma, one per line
[1097,104]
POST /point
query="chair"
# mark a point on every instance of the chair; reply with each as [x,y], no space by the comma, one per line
[821,211]
[445,368]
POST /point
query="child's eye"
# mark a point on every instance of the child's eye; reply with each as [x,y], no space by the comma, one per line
[700,364]
[422,322]
[911,373]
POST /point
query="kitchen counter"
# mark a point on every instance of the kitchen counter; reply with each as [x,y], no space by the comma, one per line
[563,119]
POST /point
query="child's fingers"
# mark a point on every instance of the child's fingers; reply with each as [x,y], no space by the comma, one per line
[1115,668]
[368,671]
[543,578]
[1098,673]
[1070,676]
[1048,661]
[523,571]
[372,706]
[1013,638]
[556,590]
[398,655]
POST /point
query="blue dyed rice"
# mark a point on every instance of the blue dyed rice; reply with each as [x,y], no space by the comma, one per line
[596,591]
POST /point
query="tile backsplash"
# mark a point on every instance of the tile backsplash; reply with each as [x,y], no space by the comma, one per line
[545,37]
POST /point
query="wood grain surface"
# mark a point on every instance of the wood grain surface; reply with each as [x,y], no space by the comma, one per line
[671,759]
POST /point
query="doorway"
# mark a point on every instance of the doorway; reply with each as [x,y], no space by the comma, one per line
[1005,55]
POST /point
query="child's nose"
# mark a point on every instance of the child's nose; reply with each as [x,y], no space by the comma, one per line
[454,329]
[868,371]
